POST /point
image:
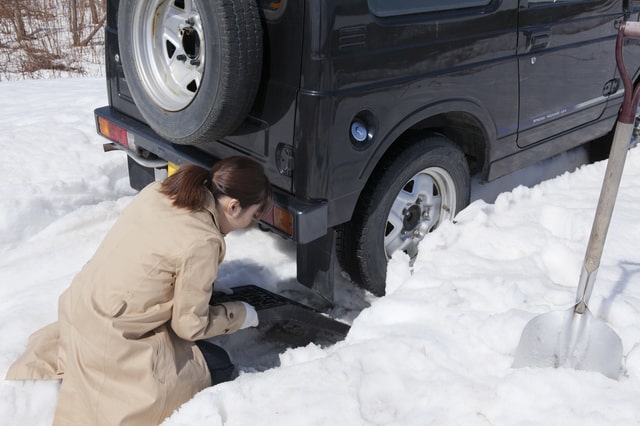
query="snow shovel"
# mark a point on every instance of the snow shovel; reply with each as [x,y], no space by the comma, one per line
[575,338]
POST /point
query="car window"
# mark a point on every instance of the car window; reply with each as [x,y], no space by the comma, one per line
[385,8]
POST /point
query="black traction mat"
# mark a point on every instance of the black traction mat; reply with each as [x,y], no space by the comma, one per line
[288,320]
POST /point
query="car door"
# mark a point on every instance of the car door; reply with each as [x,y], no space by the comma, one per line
[566,64]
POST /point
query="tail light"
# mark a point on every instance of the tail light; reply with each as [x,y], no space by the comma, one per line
[115,133]
[280,219]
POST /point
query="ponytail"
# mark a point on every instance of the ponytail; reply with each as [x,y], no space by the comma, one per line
[237,177]
[187,187]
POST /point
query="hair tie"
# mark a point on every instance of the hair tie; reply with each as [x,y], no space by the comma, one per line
[210,183]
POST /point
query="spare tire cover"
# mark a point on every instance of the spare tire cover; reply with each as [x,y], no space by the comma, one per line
[192,66]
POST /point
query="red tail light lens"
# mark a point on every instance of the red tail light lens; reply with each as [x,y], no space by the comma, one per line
[113,132]
[280,219]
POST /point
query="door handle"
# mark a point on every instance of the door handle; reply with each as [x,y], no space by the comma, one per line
[538,40]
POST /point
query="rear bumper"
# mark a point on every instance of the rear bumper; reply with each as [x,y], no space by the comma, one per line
[310,219]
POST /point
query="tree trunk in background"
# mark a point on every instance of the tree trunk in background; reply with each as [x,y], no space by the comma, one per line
[18,23]
[94,12]
[73,20]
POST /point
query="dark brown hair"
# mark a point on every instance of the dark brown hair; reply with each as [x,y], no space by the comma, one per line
[237,177]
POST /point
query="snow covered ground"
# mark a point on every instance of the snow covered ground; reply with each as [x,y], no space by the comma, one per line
[437,350]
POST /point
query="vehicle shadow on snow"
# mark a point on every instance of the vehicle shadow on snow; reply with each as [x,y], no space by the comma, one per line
[546,169]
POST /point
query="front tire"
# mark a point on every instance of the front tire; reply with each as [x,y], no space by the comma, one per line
[419,186]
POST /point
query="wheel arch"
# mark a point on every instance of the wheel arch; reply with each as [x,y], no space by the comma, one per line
[463,121]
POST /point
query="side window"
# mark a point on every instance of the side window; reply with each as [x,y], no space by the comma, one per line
[385,8]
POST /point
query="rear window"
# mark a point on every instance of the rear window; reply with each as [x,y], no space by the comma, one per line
[384,8]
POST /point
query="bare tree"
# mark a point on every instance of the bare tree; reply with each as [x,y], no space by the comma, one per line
[42,38]
[73,21]
[94,12]
[18,21]
[93,32]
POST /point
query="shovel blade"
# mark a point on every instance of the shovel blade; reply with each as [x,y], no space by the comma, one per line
[568,339]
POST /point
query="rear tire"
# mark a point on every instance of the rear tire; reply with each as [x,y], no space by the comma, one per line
[192,66]
[420,185]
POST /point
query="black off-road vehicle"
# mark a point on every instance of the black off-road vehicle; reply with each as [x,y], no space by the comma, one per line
[369,116]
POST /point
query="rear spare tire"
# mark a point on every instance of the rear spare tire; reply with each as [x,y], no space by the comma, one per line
[192,66]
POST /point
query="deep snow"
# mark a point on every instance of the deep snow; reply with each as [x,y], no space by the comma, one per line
[437,350]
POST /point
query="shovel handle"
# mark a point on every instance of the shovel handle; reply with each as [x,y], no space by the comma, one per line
[631,29]
[613,173]
[630,99]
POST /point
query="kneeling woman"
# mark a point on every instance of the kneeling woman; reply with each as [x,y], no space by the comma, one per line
[128,340]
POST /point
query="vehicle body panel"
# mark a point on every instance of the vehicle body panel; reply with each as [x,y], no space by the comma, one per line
[510,81]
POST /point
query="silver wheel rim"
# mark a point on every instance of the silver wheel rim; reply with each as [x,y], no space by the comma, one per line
[425,201]
[168,42]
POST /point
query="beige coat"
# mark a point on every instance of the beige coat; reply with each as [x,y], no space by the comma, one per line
[123,342]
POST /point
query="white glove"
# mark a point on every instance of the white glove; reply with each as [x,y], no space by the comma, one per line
[251,319]
[222,288]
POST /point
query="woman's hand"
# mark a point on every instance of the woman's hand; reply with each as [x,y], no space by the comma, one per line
[251,319]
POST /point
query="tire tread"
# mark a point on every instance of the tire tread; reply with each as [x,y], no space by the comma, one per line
[354,239]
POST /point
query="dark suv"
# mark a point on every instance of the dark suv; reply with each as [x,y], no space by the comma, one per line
[369,116]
